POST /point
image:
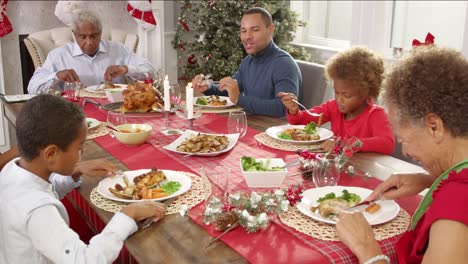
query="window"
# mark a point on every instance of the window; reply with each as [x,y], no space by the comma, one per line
[328,22]
[382,25]
[444,19]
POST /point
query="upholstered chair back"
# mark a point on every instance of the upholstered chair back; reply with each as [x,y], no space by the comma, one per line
[39,44]
[314,83]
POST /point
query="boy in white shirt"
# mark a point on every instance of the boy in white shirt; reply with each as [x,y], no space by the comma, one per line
[33,222]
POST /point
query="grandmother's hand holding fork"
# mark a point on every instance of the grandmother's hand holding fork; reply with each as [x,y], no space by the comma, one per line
[288,101]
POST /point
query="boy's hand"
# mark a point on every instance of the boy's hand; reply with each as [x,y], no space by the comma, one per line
[328,145]
[143,210]
[287,100]
[95,168]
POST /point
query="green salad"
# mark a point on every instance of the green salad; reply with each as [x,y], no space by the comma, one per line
[202,101]
[171,187]
[351,198]
[250,164]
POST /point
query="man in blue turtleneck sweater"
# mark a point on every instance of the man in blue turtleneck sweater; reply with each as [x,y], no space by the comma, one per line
[266,71]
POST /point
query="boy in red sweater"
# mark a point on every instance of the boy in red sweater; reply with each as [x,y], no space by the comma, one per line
[357,74]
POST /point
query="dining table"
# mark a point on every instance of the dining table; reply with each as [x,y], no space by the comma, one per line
[181,238]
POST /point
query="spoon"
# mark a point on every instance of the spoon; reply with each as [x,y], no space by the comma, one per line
[112,127]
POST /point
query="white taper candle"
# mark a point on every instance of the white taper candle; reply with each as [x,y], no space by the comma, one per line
[167,96]
[189,100]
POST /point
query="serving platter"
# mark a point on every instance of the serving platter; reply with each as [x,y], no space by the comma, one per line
[232,138]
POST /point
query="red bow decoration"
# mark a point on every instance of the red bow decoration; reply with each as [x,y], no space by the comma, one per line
[429,40]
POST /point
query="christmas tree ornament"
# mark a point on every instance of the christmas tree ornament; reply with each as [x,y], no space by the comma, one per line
[142,12]
[5,25]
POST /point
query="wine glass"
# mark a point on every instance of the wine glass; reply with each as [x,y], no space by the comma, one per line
[237,123]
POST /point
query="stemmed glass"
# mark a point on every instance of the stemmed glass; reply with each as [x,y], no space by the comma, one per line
[237,123]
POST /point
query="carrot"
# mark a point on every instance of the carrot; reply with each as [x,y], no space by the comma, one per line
[159,195]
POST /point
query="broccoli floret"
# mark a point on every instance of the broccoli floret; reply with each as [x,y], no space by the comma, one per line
[311,128]
[285,136]
[327,196]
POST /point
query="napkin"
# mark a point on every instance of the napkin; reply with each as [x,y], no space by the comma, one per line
[428,41]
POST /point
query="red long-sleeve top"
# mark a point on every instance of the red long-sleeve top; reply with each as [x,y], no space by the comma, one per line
[371,126]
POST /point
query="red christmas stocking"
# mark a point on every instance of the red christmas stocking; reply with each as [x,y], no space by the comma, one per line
[5,25]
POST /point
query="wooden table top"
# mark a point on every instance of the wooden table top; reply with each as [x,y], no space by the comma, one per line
[169,241]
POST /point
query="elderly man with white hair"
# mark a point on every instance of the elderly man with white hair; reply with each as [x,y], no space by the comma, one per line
[89,59]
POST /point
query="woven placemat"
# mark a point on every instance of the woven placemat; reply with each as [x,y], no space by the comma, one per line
[276,144]
[194,196]
[84,93]
[220,111]
[306,225]
[98,131]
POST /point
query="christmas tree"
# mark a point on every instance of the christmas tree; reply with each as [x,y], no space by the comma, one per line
[207,35]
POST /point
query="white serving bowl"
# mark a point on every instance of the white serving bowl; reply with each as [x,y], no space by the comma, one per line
[132,138]
[266,179]
[114,94]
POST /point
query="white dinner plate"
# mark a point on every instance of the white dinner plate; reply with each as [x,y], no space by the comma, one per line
[190,133]
[92,123]
[99,88]
[275,131]
[389,209]
[104,185]
[222,98]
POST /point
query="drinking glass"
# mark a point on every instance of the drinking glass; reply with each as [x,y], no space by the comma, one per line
[219,178]
[175,95]
[327,171]
[114,119]
[237,123]
[71,90]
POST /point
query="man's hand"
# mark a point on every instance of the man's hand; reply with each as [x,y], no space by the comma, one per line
[199,84]
[115,71]
[400,185]
[230,85]
[95,168]
[67,76]
[287,100]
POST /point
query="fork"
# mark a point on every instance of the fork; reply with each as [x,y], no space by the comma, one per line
[305,108]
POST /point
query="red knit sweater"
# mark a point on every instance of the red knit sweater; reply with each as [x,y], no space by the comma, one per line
[371,126]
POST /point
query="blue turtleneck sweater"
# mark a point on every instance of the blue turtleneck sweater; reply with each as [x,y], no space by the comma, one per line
[261,77]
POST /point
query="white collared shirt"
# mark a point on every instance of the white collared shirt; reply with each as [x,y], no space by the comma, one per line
[90,70]
[34,224]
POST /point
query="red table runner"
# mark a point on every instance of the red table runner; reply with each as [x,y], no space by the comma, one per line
[278,243]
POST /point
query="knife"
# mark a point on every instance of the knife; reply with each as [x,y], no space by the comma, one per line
[149,221]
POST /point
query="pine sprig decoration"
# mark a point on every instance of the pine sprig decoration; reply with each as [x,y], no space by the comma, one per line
[252,210]
[208,34]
